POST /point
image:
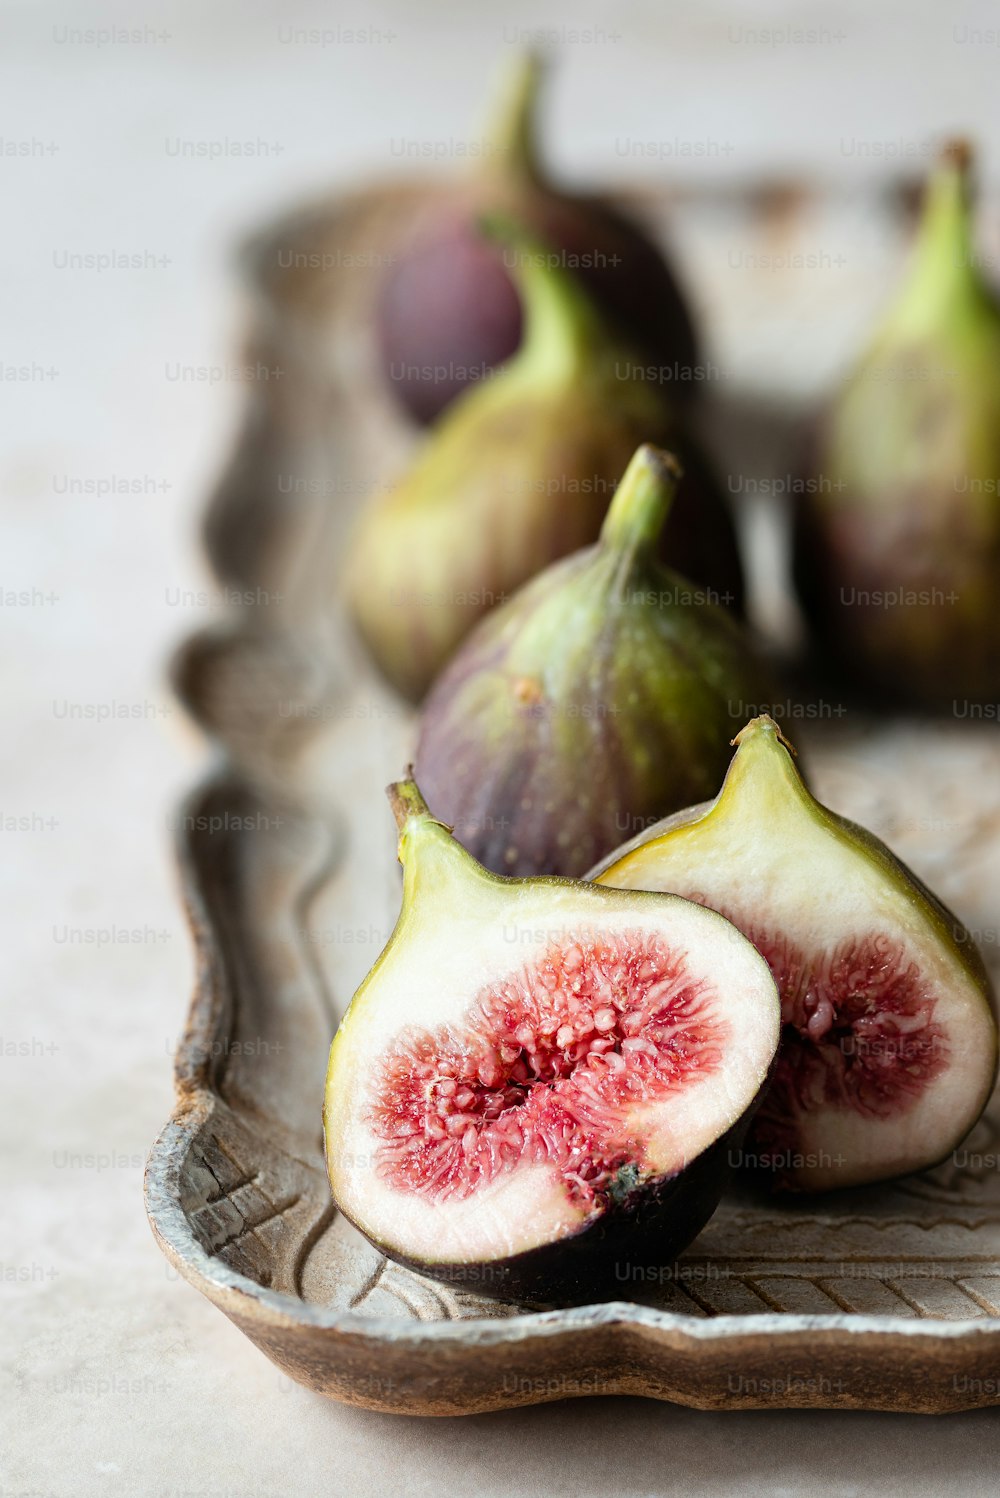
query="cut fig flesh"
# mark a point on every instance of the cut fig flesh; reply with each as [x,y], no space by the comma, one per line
[540,1078]
[889,1040]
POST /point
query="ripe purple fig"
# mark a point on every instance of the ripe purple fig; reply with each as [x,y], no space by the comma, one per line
[449,309]
[601,696]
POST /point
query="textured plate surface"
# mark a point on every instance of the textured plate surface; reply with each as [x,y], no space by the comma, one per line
[883,1298]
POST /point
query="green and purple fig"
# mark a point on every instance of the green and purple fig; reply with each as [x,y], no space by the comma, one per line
[541,1084]
[601,696]
[898,546]
[449,309]
[889,1034]
[517,474]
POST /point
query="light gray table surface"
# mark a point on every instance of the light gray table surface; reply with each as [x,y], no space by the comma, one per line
[116,1377]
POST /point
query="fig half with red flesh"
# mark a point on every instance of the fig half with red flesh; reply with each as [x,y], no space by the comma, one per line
[889,1034]
[541,1083]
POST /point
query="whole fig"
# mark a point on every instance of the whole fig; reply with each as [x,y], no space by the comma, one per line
[449,311]
[897,548]
[602,696]
[520,472]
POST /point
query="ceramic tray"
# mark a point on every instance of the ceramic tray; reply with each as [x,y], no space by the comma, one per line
[883,1298]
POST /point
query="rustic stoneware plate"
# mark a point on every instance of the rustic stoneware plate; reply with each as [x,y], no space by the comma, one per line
[884,1298]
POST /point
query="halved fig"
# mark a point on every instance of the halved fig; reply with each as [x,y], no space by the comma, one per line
[889,1034]
[541,1082]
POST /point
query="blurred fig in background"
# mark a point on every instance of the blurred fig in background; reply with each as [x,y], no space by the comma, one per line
[517,474]
[897,551]
[602,696]
[449,308]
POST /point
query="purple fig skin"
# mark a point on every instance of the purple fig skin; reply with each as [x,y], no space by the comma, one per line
[899,588]
[649,1227]
[449,312]
[601,697]
[448,309]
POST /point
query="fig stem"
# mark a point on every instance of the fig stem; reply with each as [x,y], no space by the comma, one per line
[511,132]
[946,227]
[562,326]
[943,269]
[406,800]
[642,501]
[413,816]
[755,725]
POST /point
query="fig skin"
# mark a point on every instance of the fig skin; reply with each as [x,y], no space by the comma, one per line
[763,823]
[897,549]
[448,307]
[644,1222]
[650,1227]
[601,696]
[520,472]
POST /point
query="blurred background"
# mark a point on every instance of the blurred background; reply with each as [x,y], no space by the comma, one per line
[161,135]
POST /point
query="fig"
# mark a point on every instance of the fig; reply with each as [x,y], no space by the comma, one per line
[600,697]
[518,473]
[897,547]
[540,1082]
[889,1037]
[448,309]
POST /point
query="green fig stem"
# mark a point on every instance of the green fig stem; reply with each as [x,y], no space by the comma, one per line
[563,328]
[642,502]
[943,279]
[511,132]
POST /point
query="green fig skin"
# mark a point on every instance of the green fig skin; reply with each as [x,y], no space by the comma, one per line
[539,1244]
[803,883]
[602,696]
[449,311]
[519,473]
[897,550]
